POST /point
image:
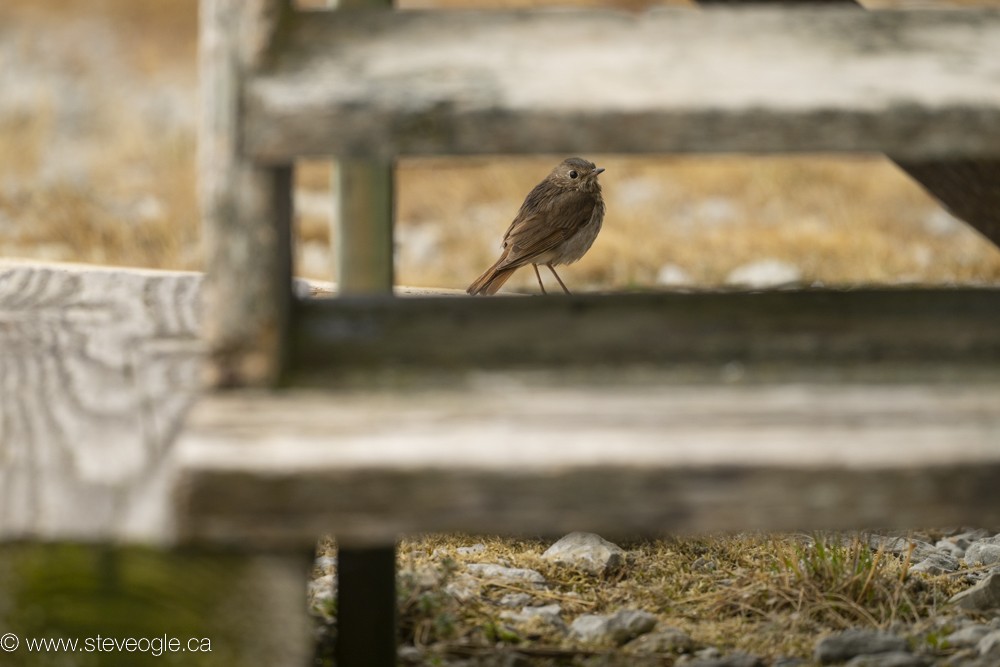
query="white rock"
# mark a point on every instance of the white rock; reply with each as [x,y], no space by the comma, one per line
[990,645]
[590,628]
[515,600]
[494,571]
[671,275]
[982,553]
[765,273]
[983,596]
[849,643]
[627,624]
[968,636]
[588,552]
[936,564]
[463,587]
[471,550]
[549,614]
[666,640]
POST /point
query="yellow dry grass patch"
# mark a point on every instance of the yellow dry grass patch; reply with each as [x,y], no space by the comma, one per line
[769,595]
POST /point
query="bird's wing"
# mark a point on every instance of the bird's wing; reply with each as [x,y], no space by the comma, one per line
[543,229]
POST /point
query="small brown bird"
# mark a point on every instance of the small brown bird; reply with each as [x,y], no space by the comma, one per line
[557,224]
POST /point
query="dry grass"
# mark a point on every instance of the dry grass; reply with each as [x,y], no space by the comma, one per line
[770,595]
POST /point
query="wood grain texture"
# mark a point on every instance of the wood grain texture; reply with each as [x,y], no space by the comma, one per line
[970,189]
[823,331]
[97,368]
[915,84]
[504,455]
[246,208]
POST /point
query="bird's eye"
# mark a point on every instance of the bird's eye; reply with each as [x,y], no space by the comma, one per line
[573,174]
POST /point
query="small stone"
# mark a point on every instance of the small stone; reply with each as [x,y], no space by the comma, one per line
[938,563]
[494,571]
[549,614]
[951,548]
[982,553]
[968,538]
[513,600]
[982,597]
[409,655]
[901,546]
[627,624]
[891,659]
[666,640]
[765,273]
[463,587]
[849,643]
[702,564]
[708,653]
[590,628]
[473,550]
[671,275]
[989,645]
[967,636]
[588,552]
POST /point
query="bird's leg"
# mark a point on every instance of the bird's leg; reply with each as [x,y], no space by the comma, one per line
[561,284]
[537,275]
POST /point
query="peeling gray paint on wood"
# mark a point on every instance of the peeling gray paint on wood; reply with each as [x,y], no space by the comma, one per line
[505,456]
[916,84]
[246,207]
[98,367]
[829,331]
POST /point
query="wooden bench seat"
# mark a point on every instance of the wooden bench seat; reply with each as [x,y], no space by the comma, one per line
[513,454]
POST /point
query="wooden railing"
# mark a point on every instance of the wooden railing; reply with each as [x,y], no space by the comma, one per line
[370,415]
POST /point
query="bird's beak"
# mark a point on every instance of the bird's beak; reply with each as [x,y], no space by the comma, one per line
[599,170]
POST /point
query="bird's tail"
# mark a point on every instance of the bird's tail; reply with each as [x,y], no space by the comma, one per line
[491,281]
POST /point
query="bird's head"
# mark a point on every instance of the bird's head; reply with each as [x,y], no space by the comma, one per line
[575,173]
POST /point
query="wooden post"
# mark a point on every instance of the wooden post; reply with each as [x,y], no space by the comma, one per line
[365,252]
[366,577]
[364,222]
[246,208]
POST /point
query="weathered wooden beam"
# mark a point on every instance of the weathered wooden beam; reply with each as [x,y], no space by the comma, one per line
[506,454]
[970,189]
[98,366]
[915,84]
[246,207]
[838,329]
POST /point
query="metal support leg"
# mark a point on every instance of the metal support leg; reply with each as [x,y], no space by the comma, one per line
[366,607]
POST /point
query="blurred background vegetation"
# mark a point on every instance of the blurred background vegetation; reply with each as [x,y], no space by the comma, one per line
[98,107]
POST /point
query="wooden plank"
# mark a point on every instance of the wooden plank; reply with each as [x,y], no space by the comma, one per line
[505,455]
[98,366]
[970,189]
[824,331]
[915,84]
[246,208]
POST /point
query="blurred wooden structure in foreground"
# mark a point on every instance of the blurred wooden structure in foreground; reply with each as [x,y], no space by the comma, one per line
[371,415]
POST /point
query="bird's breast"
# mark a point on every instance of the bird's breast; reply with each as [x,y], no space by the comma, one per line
[576,246]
